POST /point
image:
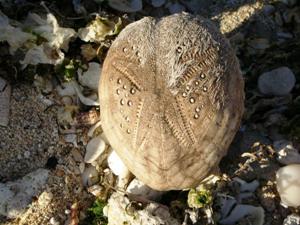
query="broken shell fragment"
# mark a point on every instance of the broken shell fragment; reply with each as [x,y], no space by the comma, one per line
[95,190]
[137,187]
[89,176]
[90,78]
[288,185]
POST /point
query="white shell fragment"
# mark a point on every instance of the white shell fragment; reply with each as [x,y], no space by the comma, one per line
[137,187]
[277,82]
[76,155]
[292,219]
[14,36]
[45,198]
[43,54]
[94,149]
[95,190]
[255,214]
[5,92]
[66,89]
[90,78]
[17,195]
[92,130]
[43,84]
[288,185]
[99,29]
[58,37]
[120,211]
[126,5]
[286,153]
[85,100]
[89,176]
[116,165]
[73,88]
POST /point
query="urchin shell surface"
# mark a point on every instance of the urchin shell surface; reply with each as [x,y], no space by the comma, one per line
[171,99]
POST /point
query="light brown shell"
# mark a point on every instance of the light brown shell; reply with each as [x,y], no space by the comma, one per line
[171,99]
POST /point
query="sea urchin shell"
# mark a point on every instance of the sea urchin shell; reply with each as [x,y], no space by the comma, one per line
[171,99]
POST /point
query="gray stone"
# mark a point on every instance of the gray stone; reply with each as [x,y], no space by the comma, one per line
[277,82]
[137,187]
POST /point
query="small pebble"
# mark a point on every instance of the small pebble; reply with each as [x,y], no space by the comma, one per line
[94,149]
[90,78]
[89,176]
[53,221]
[81,167]
[77,155]
[26,154]
[288,185]
[45,198]
[277,82]
[286,153]
[116,165]
[137,187]
[292,219]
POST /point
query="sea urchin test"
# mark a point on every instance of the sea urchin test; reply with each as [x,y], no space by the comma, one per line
[171,99]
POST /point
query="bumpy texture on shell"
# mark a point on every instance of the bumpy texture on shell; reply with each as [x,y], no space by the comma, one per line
[171,98]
